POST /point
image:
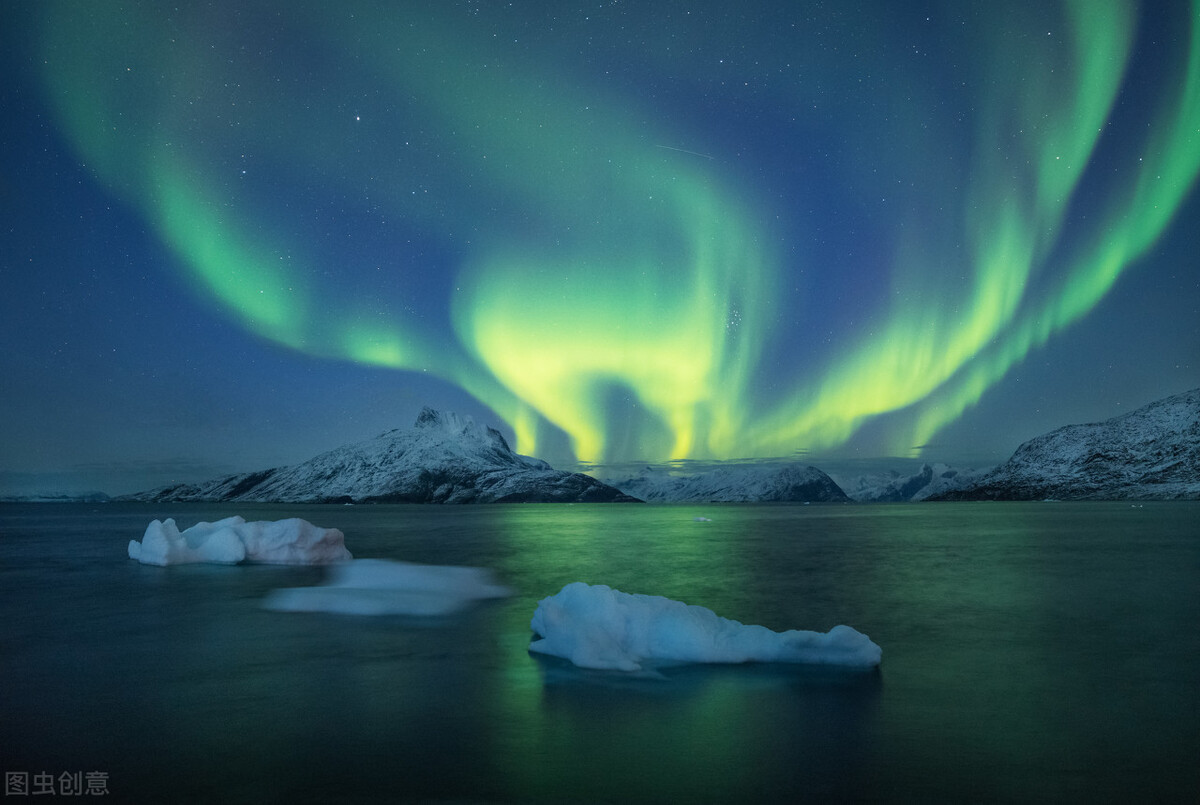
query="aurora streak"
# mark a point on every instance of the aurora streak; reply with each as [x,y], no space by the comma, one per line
[606,272]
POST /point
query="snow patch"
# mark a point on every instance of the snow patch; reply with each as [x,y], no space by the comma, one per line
[732,483]
[444,458]
[1150,453]
[595,626]
[892,487]
[233,540]
[387,587]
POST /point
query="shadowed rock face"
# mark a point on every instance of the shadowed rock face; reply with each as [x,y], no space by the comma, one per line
[1152,453]
[443,458]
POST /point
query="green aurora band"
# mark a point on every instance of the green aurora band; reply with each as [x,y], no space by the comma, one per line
[610,287]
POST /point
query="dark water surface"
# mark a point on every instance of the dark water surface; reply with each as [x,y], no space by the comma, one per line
[1031,652]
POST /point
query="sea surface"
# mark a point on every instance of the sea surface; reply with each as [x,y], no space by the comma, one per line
[1032,652]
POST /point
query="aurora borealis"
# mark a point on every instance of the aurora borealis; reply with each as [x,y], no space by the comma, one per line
[631,233]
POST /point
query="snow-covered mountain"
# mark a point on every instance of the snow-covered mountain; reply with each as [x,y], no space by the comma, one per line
[892,487]
[443,458]
[790,483]
[1150,453]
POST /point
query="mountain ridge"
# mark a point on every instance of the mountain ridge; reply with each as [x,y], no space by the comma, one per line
[789,483]
[893,487]
[1151,453]
[443,458]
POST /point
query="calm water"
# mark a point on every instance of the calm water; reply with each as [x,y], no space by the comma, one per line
[1031,652]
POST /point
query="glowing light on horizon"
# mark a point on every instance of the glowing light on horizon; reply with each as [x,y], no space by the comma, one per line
[590,282]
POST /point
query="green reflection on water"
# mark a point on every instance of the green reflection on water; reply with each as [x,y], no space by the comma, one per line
[702,733]
[1030,652]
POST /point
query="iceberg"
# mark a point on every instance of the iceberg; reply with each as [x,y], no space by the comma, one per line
[595,626]
[233,540]
[387,587]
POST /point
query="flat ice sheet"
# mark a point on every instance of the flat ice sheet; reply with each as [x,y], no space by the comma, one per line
[387,587]
[595,626]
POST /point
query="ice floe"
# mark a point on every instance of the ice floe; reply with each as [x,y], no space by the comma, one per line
[387,587]
[595,626]
[233,540]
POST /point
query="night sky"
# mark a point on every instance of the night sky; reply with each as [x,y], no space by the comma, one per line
[236,234]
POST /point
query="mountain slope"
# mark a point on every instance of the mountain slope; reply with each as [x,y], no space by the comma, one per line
[791,483]
[443,458]
[929,481]
[1150,453]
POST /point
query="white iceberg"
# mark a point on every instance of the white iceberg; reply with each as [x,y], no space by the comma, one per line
[387,587]
[599,627]
[233,540]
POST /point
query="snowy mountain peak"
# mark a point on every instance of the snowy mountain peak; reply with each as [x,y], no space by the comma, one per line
[432,418]
[443,458]
[1153,452]
[458,426]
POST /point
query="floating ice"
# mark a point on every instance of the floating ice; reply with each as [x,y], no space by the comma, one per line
[599,627]
[386,587]
[233,540]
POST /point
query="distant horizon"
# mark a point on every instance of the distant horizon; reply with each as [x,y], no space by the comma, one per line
[841,468]
[97,479]
[68,484]
[106,480]
[626,233]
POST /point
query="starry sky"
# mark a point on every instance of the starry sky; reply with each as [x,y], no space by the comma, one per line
[237,234]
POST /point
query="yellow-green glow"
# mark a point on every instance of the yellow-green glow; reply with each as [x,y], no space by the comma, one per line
[245,279]
[920,349]
[562,331]
[609,282]
[1135,221]
[381,348]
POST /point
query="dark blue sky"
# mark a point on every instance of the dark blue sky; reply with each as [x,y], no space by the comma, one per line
[240,234]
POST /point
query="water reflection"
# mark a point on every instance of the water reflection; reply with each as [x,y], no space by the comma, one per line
[703,733]
[1031,651]
[687,679]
